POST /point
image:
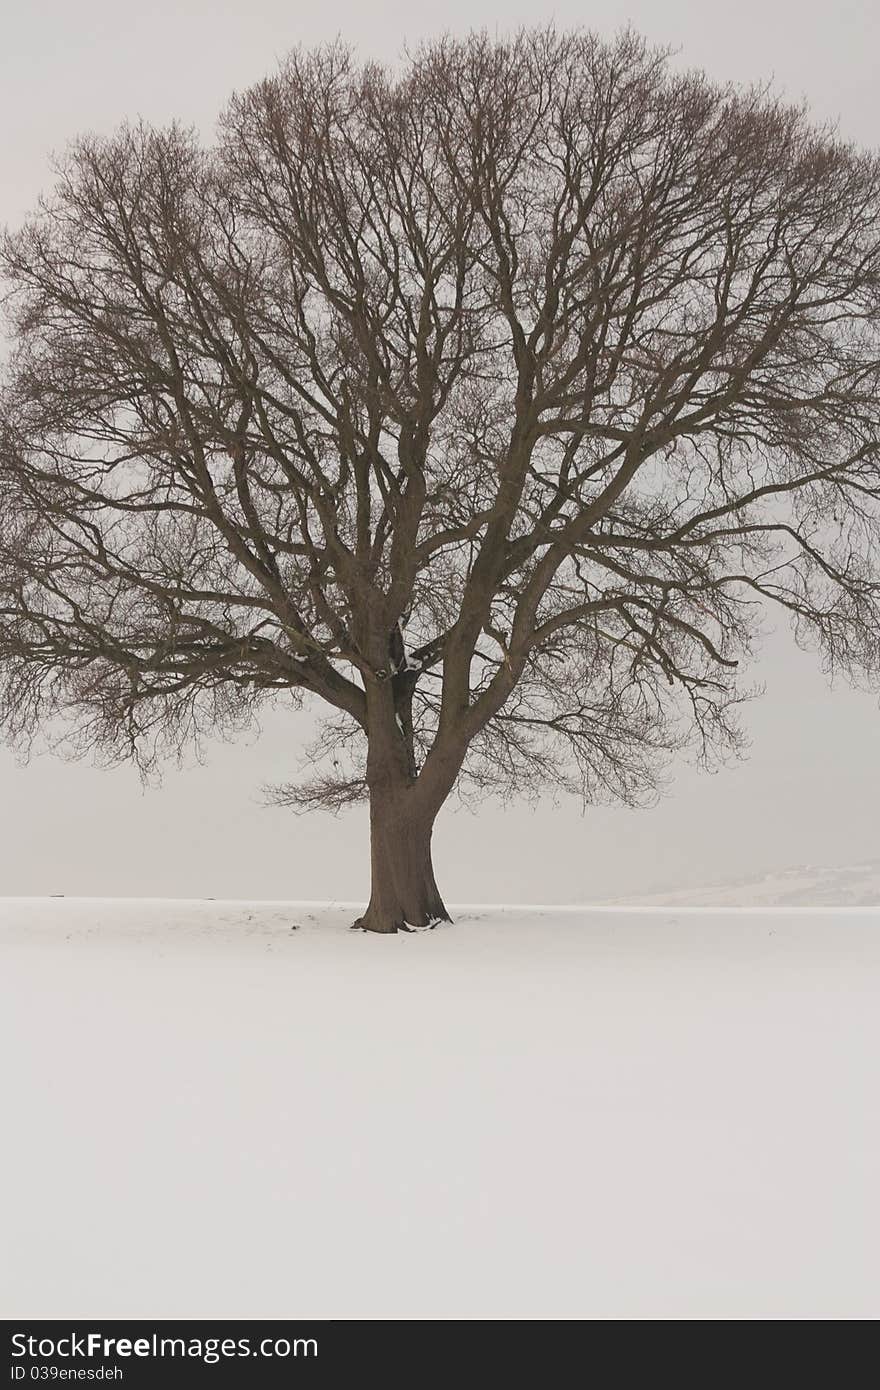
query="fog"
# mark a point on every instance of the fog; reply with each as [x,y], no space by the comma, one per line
[807,792]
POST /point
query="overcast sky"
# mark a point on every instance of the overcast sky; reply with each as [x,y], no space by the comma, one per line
[808,793]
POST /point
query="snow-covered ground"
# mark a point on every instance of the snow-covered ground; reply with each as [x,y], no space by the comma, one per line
[534,1113]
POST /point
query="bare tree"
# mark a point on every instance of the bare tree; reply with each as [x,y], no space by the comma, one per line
[488,401]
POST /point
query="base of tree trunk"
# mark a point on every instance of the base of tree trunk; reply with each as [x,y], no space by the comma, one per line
[424,908]
[387,923]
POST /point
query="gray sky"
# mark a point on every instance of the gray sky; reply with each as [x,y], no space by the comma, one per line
[807,794]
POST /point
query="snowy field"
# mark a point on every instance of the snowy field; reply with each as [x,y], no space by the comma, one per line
[534,1113]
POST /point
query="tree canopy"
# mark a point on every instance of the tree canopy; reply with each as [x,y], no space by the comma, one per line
[488,399]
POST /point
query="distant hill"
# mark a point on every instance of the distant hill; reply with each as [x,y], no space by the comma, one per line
[848,885]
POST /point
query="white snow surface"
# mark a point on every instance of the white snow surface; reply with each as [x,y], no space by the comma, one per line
[532,1113]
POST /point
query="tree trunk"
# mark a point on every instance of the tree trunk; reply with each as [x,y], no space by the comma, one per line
[404,893]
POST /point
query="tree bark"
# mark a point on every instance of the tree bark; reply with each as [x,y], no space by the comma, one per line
[403,891]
